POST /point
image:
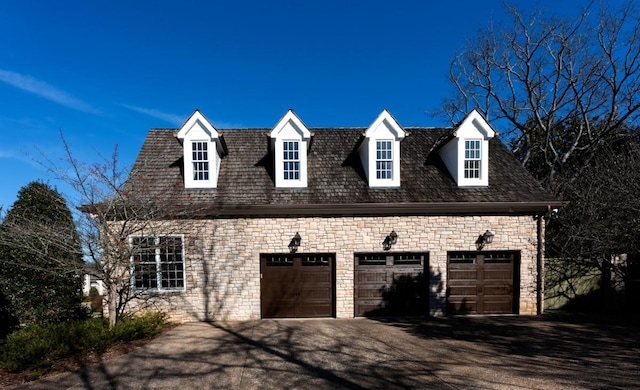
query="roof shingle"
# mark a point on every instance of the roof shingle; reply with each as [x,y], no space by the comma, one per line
[335,175]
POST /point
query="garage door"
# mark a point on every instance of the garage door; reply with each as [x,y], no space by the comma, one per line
[482,283]
[390,284]
[297,285]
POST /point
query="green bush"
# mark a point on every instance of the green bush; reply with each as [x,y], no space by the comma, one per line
[93,292]
[38,346]
[91,335]
[130,328]
[34,348]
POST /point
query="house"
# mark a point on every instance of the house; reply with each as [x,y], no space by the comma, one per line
[292,221]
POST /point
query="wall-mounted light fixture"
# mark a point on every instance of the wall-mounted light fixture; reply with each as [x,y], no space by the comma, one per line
[390,240]
[295,243]
[483,239]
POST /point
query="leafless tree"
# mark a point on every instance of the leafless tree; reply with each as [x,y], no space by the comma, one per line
[560,87]
[565,93]
[110,210]
[599,227]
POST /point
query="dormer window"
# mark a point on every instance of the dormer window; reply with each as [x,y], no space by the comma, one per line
[290,142]
[380,151]
[203,150]
[384,159]
[466,154]
[200,158]
[291,160]
[472,159]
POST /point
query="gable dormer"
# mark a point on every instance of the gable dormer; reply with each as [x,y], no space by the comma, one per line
[202,151]
[466,155]
[380,151]
[290,142]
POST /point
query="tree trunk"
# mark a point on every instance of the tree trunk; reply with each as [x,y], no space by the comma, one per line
[112,306]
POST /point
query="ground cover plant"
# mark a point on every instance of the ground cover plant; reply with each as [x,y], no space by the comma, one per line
[38,347]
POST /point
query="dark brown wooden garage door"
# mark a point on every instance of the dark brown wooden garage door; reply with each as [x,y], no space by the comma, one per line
[482,282]
[391,284]
[297,285]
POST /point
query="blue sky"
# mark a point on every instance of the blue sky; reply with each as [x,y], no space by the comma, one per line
[104,72]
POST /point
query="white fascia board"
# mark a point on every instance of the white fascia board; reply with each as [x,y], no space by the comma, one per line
[197,126]
[474,126]
[288,122]
[385,121]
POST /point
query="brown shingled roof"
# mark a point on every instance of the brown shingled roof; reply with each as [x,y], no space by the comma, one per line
[336,182]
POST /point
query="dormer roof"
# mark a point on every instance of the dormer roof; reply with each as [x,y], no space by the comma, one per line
[474,125]
[288,124]
[197,123]
[386,123]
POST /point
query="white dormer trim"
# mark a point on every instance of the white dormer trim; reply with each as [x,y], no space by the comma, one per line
[292,136]
[199,134]
[466,155]
[380,151]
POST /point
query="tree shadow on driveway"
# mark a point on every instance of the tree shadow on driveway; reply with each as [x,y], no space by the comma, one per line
[573,351]
[449,353]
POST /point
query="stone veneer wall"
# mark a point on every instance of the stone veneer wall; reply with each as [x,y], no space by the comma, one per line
[223,265]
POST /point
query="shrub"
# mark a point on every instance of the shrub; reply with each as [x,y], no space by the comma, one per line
[91,335]
[130,328]
[96,303]
[38,346]
[33,348]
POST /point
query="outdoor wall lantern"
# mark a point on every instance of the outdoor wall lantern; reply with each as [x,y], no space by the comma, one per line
[295,243]
[483,239]
[390,240]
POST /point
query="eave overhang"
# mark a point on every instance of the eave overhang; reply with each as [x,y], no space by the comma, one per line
[368,209]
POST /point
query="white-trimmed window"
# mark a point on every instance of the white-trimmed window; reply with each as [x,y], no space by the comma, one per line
[202,150]
[379,151]
[384,159]
[290,141]
[200,160]
[157,263]
[472,159]
[291,160]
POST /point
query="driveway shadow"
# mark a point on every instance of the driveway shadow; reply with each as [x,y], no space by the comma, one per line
[585,352]
[449,353]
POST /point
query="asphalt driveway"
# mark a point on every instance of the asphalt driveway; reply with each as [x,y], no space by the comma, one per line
[451,353]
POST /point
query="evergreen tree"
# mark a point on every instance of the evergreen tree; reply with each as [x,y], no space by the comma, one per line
[41,263]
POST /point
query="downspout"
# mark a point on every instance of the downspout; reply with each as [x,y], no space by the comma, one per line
[540,265]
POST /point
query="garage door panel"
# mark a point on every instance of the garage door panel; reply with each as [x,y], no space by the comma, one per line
[371,277]
[316,277]
[496,306]
[311,294]
[482,282]
[390,284]
[463,305]
[462,291]
[297,285]
[457,274]
[311,310]
[498,290]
